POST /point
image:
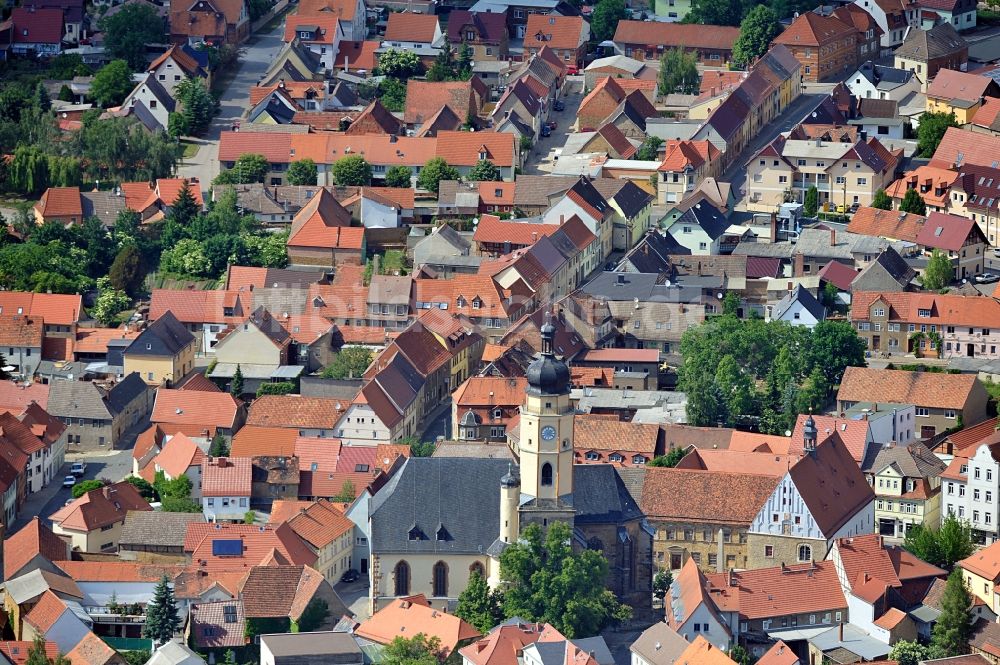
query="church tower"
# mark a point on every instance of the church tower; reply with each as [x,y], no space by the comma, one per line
[545,448]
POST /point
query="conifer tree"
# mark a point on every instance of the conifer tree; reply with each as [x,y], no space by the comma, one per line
[161,614]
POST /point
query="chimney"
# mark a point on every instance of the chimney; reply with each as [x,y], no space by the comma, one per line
[840,632]
[833,237]
[774,227]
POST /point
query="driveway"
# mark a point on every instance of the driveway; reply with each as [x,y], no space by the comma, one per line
[255,57]
[542,156]
[355,596]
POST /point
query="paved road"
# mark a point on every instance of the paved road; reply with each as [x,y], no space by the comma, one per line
[542,157]
[255,57]
[793,115]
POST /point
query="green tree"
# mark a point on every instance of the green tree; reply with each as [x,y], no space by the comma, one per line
[37,656]
[29,172]
[185,207]
[813,393]
[944,546]
[400,64]
[351,170]
[731,304]
[434,171]
[757,29]
[229,658]
[678,73]
[546,581]
[392,94]
[110,302]
[670,460]
[484,170]
[416,650]
[66,94]
[219,447]
[908,653]
[85,486]
[236,387]
[146,490]
[739,655]
[302,172]
[954,626]
[939,272]
[136,656]
[650,149]
[834,346]
[197,105]
[811,202]
[347,493]
[931,131]
[42,101]
[349,363]
[313,616]
[398,176]
[605,17]
[479,605]
[661,583]
[736,388]
[443,68]
[705,406]
[161,614]
[912,202]
[719,12]
[127,32]
[248,168]
[881,200]
[126,273]
[112,83]
[249,517]
[177,125]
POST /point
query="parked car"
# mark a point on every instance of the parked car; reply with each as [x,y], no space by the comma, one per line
[572,70]
[558,105]
[987,278]
[350,575]
[78,468]
[996,251]
[552,124]
[546,132]
[69,481]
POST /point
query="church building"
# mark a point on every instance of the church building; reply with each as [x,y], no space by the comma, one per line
[439,519]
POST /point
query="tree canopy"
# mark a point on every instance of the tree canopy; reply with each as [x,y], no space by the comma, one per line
[129,30]
[351,170]
[939,271]
[162,620]
[650,149]
[954,627]
[881,200]
[944,546]
[249,167]
[302,172]
[757,29]
[400,64]
[546,581]
[112,83]
[484,170]
[398,176]
[349,363]
[931,131]
[416,650]
[760,375]
[434,171]
[605,17]
[913,203]
[678,72]
[479,605]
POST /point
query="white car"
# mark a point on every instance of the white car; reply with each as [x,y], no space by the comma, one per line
[78,468]
[69,481]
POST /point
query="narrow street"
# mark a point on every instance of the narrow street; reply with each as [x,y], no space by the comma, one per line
[255,57]
[543,153]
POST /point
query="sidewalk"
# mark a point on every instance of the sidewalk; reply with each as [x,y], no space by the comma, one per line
[35,503]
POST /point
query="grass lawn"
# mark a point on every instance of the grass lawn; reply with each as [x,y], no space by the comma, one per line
[190,149]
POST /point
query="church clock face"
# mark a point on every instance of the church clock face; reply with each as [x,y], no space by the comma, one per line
[548,433]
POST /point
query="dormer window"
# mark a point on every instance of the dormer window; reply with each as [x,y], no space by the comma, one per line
[497,413]
[460,302]
[415,533]
[482,154]
[615,457]
[924,313]
[442,534]
[477,303]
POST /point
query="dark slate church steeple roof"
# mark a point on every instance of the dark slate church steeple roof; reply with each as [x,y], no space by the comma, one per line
[548,375]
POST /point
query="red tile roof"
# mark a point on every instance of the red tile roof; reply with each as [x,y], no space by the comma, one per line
[16,396]
[357,55]
[947,232]
[409,27]
[950,85]
[415,615]
[294,411]
[46,612]
[226,476]
[556,32]
[985,562]
[491,229]
[255,440]
[118,571]
[944,391]
[320,523]
[812,29]
[259,544]
[61,202]
[852,432]
[17,652]
[100,507]
[960,146]
[178,455]
[808,588]
[466,148]
[192,407]
[37,25]
[655,33]
[52,308]
[33,539]
[327,26]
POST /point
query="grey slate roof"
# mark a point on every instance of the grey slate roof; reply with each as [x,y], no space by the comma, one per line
[632,199]
[941,40]
[889,271]
[84,399]
[166,336]
[651,254]
[152,527]
[913,461]
[103,205]
[462,495]
[805,298]
[601,497]
[707,216]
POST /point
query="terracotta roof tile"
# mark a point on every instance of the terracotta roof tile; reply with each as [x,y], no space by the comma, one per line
[703,652]
[852,432]
[357,55]
[61,202]
[959,147]
[409,27]
[178,455]
[17,652]
[783,590]
[210,628]
[100,507]
[779,654]
[117,571]
[225,476]
[197,408]
[812,29]
[258,544]
[491,229]
[985,562]
[861,384]
[592,433]
[736,461]
[319,523]
[465,148]
[950,85]
[294,411]
[556,32]
[52,308]
[255,440]
[704,496]
[34,538]
[16,396]
[669,35]
[46,612]
[414,615]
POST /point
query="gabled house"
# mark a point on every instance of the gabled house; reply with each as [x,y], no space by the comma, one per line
[154,98]
[959,93]
[36,31]
[326,530]
[894,18]
[213,21]
[685,165]
[925,52]
[320,34]
[211,412]
[420,33]
[93,522]
[907,484]
[873,81]
[97,415]
[163,353]
[321,234]
[176,65]
[426,99]
[225,488]
[583,200]
[825,46]
[700,229]
[485,32]
[350,12]
[261,348]
[566,36]
[647,40]
[691,610]
[799,307]
[311,416]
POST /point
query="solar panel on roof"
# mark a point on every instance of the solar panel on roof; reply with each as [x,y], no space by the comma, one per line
[227,547]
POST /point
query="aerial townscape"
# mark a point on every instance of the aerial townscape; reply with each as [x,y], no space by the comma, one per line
[499,332]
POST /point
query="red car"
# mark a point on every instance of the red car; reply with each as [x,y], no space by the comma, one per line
[572,70]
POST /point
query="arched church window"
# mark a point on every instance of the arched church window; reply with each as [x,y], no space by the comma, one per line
[546,474]
[402,579]
[440,579]
[477,569]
